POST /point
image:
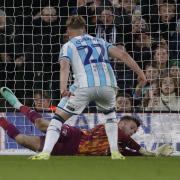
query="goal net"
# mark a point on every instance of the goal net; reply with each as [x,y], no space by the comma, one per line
[33,32]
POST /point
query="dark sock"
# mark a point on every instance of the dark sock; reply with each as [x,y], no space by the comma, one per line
[32,115]
[4,123]
[12,131]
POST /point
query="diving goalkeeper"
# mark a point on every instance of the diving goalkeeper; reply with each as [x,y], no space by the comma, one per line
[75,141]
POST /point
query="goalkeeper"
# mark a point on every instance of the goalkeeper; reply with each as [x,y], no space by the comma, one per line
[75,141]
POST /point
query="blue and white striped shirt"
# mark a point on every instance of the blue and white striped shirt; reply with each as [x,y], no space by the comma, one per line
[89,59]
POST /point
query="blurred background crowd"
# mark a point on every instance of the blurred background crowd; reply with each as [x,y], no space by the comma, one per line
[33,32]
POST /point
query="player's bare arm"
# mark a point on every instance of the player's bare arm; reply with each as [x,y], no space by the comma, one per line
[115,52]
[64,75]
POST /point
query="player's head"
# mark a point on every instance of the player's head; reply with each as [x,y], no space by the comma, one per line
[174,68]
[128,5]
[151,71]
[75,25]
[168,84]
[42,100]
[123,102]
[49,14]
[129,125]
[167,11]
[139,25]
[106,16]
[160,55]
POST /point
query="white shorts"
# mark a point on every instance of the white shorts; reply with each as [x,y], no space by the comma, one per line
[104,97]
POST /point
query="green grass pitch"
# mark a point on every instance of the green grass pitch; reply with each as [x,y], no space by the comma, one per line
[89,168]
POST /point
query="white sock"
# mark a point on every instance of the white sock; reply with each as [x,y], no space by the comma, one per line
[17,105]
[112,134]
[52,135]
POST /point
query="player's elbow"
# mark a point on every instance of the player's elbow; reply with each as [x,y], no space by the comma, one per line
[123,54]
[116,52]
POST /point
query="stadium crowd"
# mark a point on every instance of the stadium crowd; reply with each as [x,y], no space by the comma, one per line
[33,32]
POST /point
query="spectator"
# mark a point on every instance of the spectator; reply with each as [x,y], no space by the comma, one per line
[141,40]
[169,97]
[159,41]
[165,23]
[174,45]
[162,16]
[168,12]
[151,73]
[174,68]
[13,61]
[161,57]
[123,102]
[6,49]
[139,25]
[6,37]
[115,17]
[142,48]
[128,5]
[151,97]
[42,101]
[149,12]
[122,18]
[46,45]
[106,28]
[19,66]
[23,76]
[168,18]
[89,11]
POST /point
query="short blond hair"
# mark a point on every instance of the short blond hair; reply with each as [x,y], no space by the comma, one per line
[76,22]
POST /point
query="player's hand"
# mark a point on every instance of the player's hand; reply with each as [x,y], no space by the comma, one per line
[142,80]
[164,150]
[66,93]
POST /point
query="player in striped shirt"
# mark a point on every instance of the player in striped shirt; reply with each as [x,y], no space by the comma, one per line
[94,80]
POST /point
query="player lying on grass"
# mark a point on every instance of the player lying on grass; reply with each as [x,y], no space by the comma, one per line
[75,141]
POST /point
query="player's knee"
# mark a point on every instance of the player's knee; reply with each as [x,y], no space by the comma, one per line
[55,125]
[58,118]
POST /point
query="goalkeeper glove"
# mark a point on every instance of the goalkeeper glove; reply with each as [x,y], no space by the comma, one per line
[164,150]
[144,152]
